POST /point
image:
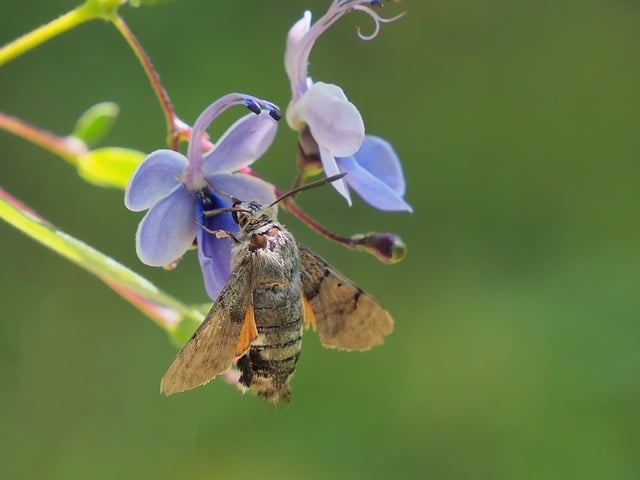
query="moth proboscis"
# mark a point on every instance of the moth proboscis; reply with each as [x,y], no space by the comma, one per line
[277,287]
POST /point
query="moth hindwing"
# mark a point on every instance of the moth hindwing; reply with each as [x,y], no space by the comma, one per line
[277,286]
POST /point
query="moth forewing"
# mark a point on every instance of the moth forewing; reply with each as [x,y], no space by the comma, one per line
[211,349]
[344,316]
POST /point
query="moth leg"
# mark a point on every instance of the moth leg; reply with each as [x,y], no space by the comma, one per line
[219,233]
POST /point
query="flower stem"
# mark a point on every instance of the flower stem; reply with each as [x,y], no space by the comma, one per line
[175,126]
[386,246]
[162,308]
[67,148]
[36,37]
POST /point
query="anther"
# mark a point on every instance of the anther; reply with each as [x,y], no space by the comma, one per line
[253,106]
[274,113]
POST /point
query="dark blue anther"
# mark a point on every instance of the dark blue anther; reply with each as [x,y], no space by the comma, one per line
[253,106]
[376,3]
[275,113]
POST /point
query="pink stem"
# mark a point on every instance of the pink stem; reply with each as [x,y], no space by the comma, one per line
[175,127]
[61,146]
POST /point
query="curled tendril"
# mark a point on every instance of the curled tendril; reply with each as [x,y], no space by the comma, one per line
[299,56]
[341,7]
[377,20]
[344,6]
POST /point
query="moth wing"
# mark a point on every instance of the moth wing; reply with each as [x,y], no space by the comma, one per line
[344,316]
[224,331]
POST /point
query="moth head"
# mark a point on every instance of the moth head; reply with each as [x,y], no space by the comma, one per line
[248,213]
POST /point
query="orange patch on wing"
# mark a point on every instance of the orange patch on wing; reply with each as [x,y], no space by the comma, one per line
[307,314]
[248,333]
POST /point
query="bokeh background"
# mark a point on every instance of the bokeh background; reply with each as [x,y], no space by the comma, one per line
[516,349]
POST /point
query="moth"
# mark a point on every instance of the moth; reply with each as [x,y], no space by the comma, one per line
[276,289]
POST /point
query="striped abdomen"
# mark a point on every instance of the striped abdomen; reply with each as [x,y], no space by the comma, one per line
[271,359]
[277,308]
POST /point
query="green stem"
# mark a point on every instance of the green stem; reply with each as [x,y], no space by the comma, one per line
[36,37]
[165,310]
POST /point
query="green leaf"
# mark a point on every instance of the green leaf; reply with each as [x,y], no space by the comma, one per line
[171,314]
[109,166]
[96,122]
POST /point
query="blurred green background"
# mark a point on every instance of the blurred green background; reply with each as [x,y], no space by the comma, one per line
[516,350]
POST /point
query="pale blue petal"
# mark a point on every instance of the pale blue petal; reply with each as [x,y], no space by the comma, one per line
[293,56]
[154,179]
[168,229]
[244,187]
[377,156]
[334,122]
[214,253]
[242,144]
[331,168]
[372,190]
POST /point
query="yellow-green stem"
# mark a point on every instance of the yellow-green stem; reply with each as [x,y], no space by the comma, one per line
[46,32]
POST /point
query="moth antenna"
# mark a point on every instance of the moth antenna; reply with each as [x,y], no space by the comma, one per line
[218,211]
[317,183]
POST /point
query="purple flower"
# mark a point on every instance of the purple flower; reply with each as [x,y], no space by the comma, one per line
[176,189]
[374,172]
[331,127]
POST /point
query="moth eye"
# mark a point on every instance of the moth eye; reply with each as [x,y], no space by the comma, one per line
[234,214]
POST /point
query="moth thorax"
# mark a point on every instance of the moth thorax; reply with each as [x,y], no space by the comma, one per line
[265,240]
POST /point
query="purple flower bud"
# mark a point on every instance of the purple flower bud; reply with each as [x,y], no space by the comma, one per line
[387,247]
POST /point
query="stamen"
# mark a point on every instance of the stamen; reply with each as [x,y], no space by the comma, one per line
[377,20]
[274,113]
[193,174]
[253,106]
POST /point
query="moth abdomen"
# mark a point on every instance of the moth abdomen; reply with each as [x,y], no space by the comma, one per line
[271,360]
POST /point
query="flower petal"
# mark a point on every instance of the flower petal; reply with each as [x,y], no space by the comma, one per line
[378,157]
[330,169]
[242,144]
[372,190]
[154,179]
[168,229]
[294,38]
[214,253]
[335,123]
[244,187]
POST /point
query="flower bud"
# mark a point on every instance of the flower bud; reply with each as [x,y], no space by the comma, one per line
[387,247]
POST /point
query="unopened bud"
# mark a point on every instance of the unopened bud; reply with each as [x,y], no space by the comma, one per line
[96,122]
[387,247]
